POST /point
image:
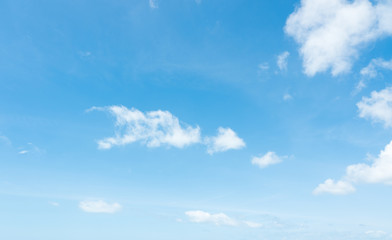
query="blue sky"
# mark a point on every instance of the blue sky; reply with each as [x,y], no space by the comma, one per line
[203,119]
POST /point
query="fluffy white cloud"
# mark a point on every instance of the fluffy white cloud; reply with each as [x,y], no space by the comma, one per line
[332,32]
[380,171]
[282,60]
[99,207]
[370,70]
[377,107]
[225,140]
[270,158]
[153,128]
[336,188]
[205,217]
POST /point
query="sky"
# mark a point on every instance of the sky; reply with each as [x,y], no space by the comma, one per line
[195,119]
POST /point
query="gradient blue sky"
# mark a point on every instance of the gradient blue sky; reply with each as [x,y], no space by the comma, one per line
[308,95]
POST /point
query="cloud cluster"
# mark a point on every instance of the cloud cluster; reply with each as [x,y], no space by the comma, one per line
[380,171]
[377,107]
[270,158]
[332,32]
[217,219]
[99,207]
[157,128]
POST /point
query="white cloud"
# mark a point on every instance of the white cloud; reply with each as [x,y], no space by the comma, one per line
[376,234]
[287,97]
[282,60]
[153,128]
[153,3]
[253,224]
[264,66]
[370,70]
[23,152]
[377,107]
[218,219]
[380,171]
[336,188]
[158,128]
[205,217]
[99,207]
[332,32]
[270,158]
[225,140]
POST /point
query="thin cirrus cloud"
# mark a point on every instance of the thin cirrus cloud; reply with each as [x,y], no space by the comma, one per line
[157,128]
[379,171]
[377,107]
[331,33]
[270,158]
[99,207]
[219,219]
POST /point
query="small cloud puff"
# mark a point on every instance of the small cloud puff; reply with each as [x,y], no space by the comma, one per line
[225,140]
[270,158]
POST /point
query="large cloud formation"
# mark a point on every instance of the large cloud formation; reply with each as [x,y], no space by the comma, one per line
[332,32]
[157,128]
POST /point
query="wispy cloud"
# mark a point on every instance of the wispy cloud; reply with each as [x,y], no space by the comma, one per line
[205,217]
[283,60]
[5,140]
[54,204]
[153,129]
[199,216]
[370,70]
[264,66]
[331,33]
[287,97]
[99,207]
[153,3]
